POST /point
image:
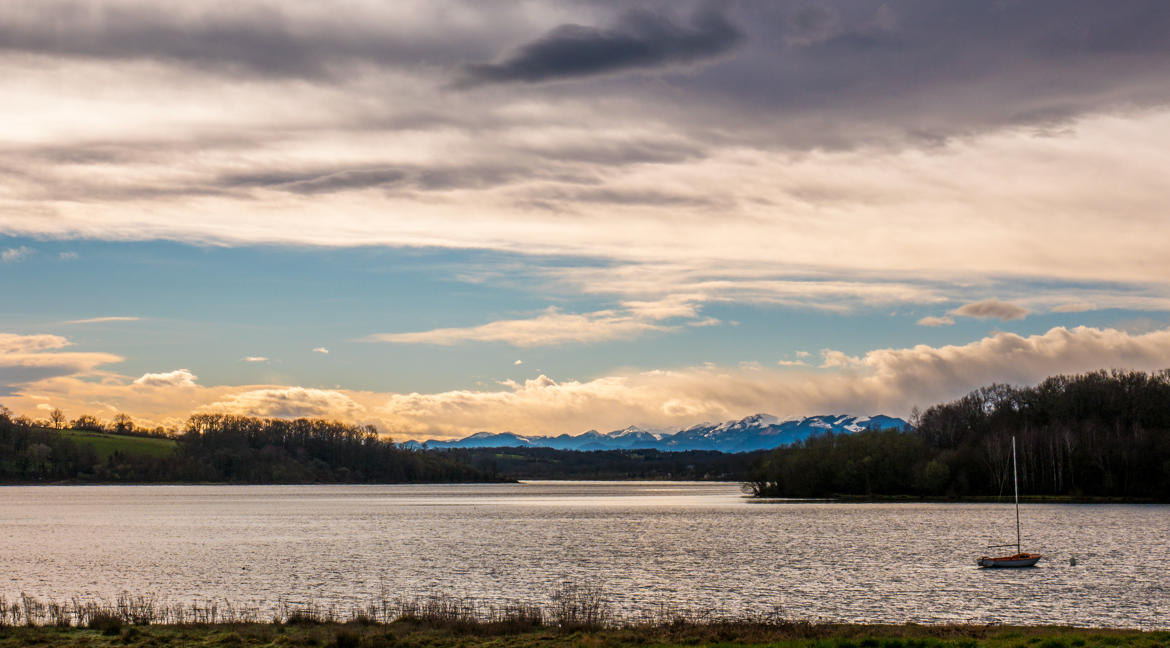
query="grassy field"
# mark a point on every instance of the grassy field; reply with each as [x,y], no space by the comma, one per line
[414,634]
[106,444]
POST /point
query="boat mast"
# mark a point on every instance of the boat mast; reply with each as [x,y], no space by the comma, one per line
[1016,484]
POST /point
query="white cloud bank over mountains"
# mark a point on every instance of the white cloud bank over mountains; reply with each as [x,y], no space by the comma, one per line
[888,381]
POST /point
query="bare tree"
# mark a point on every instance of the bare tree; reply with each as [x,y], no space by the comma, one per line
[57,418]
[87,422]
[123,424]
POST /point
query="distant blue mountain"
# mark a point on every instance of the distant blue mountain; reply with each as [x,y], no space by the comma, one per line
[757,432]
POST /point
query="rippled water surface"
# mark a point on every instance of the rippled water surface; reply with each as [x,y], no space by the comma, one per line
[695,546]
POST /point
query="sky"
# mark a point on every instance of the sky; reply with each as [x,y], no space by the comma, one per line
[445,217]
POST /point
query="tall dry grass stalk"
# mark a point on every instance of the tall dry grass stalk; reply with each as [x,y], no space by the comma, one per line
[570,606]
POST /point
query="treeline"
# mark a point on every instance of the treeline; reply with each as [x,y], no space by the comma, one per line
[1099,434]
[229,449]
[31,452]
[550,463]
[120,424]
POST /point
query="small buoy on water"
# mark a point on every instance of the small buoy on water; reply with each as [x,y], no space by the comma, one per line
[1072,562]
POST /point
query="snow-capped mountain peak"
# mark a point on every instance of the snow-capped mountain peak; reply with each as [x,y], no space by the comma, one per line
[755,432]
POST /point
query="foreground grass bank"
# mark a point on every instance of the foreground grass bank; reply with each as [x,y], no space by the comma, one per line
[414,633]
[575,616]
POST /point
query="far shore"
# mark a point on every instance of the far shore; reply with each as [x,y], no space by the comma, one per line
[834,499]
[965,499]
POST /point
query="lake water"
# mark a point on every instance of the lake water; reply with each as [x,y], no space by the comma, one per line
[688,545]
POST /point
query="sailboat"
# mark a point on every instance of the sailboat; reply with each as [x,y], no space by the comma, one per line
[1020,558]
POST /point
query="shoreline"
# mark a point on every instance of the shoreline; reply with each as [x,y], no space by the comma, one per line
[523,633]
[966,499]
[752,499]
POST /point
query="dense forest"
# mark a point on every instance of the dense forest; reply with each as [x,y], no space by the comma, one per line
[1100,434]
[549,463]
[226,448]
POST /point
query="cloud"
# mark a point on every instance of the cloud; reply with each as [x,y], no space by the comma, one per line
[640,40]
[678,288]
[290,402]
[832,359]
[11,343]
[321,182]
[247,39]
[945,320]
[935,373]
[321,350]
[176,378]
[706,321]
[667,307]
[992,309]
[68,256]
[792,363]
[883,380]
[100,320]
[255,359]
[12,255]
[549,328]
[26,359]
[1074,307]
[518,363]
[890,380]
[343,133]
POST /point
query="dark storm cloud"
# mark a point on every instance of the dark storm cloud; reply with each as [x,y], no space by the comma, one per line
[831,73]
[792,76]
[250,39]
[844,73]
[841,74]
[640,39]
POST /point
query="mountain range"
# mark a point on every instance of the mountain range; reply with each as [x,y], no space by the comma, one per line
[756,432]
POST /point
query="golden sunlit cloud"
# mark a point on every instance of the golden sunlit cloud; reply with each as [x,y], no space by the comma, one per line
[889,381]
[176,378]
[992,309]
[101,320]
[548,328]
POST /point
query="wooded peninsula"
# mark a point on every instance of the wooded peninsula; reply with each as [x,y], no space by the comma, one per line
[1094,435]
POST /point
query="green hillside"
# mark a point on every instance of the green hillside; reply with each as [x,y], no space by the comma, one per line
[106,444]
